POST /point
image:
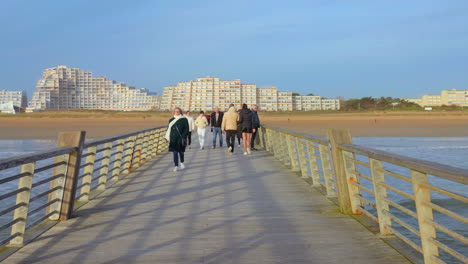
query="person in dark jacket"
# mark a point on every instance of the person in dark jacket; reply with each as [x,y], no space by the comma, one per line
[255,126]
[246,122]
[216,121]
[239,131]
[176,135]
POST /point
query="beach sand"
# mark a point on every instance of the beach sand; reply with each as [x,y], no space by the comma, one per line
[360,125]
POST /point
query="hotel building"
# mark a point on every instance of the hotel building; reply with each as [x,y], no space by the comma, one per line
[446,97]
[62,88]
[18,98]
[209,92]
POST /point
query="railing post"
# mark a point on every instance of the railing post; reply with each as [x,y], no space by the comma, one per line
[337,137]
[128,158]
[136,160]
[59,183]
[118,160]
[422,196]
[380,193]
[87,174]
[20,214]
[104,171]
[302,157]
[284,153]
[292,152]
[144,147]
[351,176]
[71,139]
[314,170]
[327,168]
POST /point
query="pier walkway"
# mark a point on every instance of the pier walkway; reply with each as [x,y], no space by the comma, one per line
[221,209]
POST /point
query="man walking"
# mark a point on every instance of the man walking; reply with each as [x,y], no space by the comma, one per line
[229,126]
[255,125]
[216,121]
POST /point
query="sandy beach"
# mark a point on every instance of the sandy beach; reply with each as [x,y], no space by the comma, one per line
[360,125]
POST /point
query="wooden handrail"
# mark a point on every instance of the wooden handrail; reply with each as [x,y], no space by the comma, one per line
[28,158]
[114,138]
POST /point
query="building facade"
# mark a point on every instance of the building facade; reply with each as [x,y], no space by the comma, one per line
[18,98]
[62,88]
[446,97]
[209,92]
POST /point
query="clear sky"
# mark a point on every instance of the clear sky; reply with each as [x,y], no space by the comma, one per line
[350,48]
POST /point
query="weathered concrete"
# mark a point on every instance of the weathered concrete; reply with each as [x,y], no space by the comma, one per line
[221,209]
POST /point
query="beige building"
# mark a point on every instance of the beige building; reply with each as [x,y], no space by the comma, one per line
[206,93]
[63,88]
[17,98]
[446,97]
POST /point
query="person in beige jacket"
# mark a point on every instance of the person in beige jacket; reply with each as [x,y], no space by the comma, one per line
[201,123]
[229,126]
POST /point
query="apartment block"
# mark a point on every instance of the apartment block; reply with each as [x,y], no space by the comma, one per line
[208,92]
[62,88]
[446,97]
[18,98]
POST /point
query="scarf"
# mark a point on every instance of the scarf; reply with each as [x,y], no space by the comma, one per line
[168,132]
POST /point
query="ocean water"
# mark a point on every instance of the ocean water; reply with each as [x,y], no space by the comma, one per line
[450,150]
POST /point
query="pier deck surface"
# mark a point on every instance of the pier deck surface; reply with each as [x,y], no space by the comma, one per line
[221,209]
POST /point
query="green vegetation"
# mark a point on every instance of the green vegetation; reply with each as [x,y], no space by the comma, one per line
[382,103]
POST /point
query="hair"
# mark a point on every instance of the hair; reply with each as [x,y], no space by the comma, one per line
[201,112]
[244,106]
[179,110]
[231,105]
[187,112]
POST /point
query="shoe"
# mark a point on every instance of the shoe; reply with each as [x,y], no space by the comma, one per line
[248,150]
[176,168]
[245,153]
[182,166]
[238,145]
[254,149]
[230,149]
[202,147]
[213,147]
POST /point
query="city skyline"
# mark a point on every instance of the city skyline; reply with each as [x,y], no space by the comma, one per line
[353,49]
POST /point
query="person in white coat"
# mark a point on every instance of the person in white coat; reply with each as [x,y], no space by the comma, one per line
[201,123]
[191,123]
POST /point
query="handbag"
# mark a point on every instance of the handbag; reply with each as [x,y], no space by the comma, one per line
[183,141]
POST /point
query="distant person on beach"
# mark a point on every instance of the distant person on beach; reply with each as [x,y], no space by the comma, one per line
[229,127]
[201,123]
[216,121]
[239,131]
[255,126]
[246,122]
[191,122]
[176,135]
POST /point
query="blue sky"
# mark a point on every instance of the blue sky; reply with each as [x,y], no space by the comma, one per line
[331,48]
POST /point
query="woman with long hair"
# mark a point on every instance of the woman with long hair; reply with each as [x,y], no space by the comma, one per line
[246,122]
[201,123]
[239,131]
[176,135]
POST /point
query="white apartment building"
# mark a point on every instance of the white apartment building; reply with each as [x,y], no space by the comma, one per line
[18,98]
[62,88]
[208,92]
[446,97]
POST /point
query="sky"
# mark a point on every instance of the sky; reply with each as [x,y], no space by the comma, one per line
[348,48]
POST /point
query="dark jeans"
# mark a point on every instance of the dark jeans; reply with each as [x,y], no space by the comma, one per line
[252,141]
[189,137]
[231,138]
[176,157]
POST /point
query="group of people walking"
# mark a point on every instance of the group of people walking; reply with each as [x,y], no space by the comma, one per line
[242,124]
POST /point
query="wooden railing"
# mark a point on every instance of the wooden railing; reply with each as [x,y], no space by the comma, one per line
[73,172]
[393,190]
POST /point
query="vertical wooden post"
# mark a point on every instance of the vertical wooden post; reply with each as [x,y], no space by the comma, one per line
[269,139]
[104,171]
[380,194]
[128,157]
[284,149]
[421,196]
[118,160]
[59,183]
[70,139]
[327,168]
[151,145]
[20,214]
[314,170]
[87,174]
[302,157]
[292,152]
[337,137]
[351,176]
[137,148]
[144,147]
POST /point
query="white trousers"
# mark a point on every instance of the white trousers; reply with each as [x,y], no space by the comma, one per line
[201,136]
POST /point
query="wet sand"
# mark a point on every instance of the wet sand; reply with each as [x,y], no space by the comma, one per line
[361,126]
